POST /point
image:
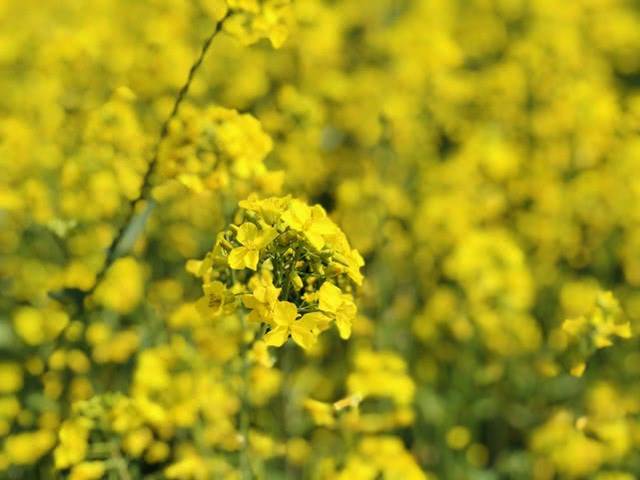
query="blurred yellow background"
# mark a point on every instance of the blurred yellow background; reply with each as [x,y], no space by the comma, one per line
[482,156]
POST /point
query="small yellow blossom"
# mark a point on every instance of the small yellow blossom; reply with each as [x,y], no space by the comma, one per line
[252,241]
[260,354]
[302,331]
[26,448]
[11,377]
[340,306]
[323,413]
[88,471]
[311,221]
[595,330]
[122,288]
[217,300]
[72,449]
[263,298]
[136,441]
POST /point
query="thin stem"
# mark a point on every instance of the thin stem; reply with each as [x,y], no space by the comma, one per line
[287,399]
[113,251]
[245,465]
[120,464]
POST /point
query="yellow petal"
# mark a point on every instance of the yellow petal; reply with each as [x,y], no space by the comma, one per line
[302,336]
[315,239]
[251,259]
[251,302]
[236,258]
[319,321]
[623,330]
[266,237]
[322,413]
[247,233]
[330,297]
[284,313]
[297,215]
[344,326]
[277,337]
[578,369]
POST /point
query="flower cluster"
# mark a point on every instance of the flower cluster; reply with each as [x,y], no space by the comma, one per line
[289,265]
[481,155]
[595,330]
[252,20]
[215,150]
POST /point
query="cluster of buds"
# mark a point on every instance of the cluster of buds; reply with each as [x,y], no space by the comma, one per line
[289,265]
[213,149]
[594,331]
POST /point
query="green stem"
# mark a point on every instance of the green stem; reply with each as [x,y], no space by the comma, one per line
[287,364]
[245,462]
[115,248]
[119,463]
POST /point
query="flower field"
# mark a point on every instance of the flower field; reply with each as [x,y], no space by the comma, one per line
[319,239]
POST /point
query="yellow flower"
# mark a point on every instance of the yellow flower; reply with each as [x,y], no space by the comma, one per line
[10,377]
[381,374]
[303,331]
[136,441]
[247,5]
[252,241]
[322,413]
[9,407]
[339,305]
[311,221]
[192,466]
[595,330]
[157,452]
[273,23]
[298,451]
[87,471]
[123,287]
[572,453]
[72,449]
[263,299]
[262,445]
[26,448]
[78,361]
[38,326]
[252,21]
[217,300]
[217,9]
[29,325]
[118,348]
[384,457]
[271,209]
[354,263]
[260,354]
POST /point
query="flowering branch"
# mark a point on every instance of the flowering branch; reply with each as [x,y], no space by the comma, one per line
[134,224]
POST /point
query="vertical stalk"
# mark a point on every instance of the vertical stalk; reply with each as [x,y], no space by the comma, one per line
[115,248]
[287,394]
[245,461]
